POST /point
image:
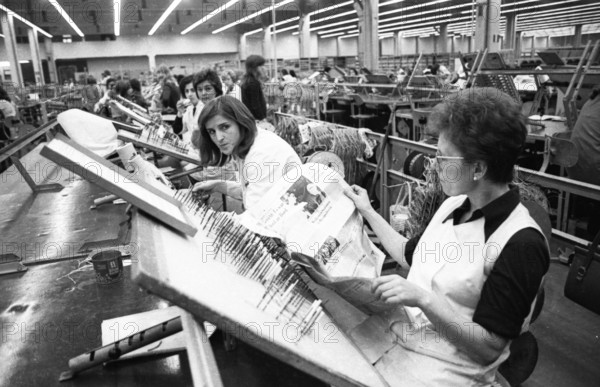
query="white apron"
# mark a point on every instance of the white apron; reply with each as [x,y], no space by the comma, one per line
[454,262]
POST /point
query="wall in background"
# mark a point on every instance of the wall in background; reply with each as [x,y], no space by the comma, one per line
[188,64]
[133,66]
[327,47]
[348,46]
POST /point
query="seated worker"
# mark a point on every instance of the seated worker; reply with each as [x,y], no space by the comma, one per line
[480,262]
[101,107]
[204,87]
[228,131]
[586,137]
[135,94]
[232,88]
[8,116]
[121,89]
[188,109]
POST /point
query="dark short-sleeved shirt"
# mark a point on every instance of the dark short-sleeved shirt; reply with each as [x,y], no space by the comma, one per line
[254,98]
[515,279]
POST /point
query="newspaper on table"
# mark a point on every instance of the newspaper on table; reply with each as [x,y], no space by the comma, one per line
[308,210]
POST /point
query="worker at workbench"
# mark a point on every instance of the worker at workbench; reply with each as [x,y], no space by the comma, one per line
[228,131]
[8,115]
[586,137]
[479,264]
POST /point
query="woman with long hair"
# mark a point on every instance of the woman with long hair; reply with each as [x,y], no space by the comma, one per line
[252,92]
[228,131]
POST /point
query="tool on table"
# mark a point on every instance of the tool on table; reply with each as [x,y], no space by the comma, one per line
[118,348]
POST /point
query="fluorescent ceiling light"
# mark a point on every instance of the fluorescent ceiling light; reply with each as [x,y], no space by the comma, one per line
[558,19]
[533,7]
[567,23]
[404,9]
[23,61]
[390,2]
[117,13]
[296,33]
[209,16]
[337,15]
[30,24]
[285,29]
[335,24]
[1,36]
[348,36]
[405,26]
[252,16]
[286,21]
[65,16]
[421,13]
[332,35]
[437,19]
[331,8]
[253,32]
[567,12]
[334,30]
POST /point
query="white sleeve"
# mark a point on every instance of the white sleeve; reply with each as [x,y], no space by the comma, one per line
[263,167]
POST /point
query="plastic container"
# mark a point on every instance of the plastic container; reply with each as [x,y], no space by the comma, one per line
[108,266]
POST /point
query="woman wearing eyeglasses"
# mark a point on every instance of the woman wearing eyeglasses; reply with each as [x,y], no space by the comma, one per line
[477,267]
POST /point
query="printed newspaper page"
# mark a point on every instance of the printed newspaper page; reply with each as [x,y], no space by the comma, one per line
[309,211]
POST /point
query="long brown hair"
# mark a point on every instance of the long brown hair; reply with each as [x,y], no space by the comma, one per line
[232,109]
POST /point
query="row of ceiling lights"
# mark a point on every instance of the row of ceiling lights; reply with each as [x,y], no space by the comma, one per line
[530,19]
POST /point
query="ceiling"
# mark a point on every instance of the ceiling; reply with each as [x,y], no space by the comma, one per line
[96,18]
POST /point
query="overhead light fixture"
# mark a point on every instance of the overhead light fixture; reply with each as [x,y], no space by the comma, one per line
[559,18]
[419,6]
[292,19]
[209,16]
[566,12]
[330,8]
[406,26]
[1,36]
[252,16]
[336,16]
[284,29]
[331,35]
[390,2]
[164,16]
[254,32]
[334,30]
[23,61]
[421,13]
[348,36]
[66,16]
[117,13]
[30,24]
[334,24]
[295,33]
[555,23]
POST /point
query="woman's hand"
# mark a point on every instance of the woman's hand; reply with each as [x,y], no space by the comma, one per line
[209,186]
[182,105]
[394,289]
[360,198]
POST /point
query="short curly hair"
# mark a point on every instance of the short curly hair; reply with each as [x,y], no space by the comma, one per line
[210,75]
[484,124]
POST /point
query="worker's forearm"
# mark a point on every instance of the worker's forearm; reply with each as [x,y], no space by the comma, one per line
[393,242]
